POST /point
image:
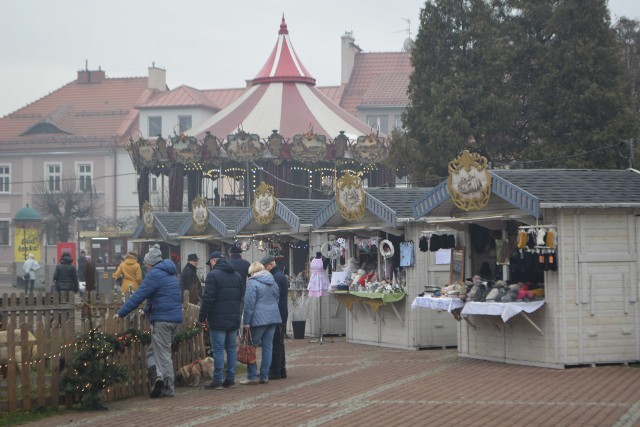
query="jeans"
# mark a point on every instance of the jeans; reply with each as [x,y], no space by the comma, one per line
[262,334]
[221,340]
[29,285]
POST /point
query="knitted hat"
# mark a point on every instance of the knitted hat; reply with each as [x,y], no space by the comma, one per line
[154,255]
[192,257]
[235,250]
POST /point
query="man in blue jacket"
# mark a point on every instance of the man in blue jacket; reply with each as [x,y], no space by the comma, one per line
[220,307]
[164,306]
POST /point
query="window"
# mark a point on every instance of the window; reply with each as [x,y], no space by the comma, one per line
[380,123]
[155,126]
[84,177]
[51,230]
[4,233]
[184,122]
[5,178]
[398,121]
[53,176]
[153,183]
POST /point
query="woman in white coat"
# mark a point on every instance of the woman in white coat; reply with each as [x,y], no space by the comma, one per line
[29,268]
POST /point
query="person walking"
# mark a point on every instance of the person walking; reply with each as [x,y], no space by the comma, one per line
[261,315]
[29,268]
[278,364]
[65,277]
[164,307]
[131,273]
[221,310]
[189,280]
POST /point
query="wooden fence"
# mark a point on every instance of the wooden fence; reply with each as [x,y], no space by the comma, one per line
[41,336]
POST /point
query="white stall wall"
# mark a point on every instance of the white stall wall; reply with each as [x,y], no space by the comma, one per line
[591,312]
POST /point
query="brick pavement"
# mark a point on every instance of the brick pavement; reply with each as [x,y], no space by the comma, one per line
[341,384]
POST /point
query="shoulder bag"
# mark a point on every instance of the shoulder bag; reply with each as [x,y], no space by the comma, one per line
[246,349]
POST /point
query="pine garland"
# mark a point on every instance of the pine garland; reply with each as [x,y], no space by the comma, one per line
[93,366]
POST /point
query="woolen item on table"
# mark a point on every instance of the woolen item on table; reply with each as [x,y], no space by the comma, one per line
[267,259]
[246,349]
[154,255]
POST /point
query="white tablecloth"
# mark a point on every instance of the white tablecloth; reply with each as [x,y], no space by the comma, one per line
[506,310]
[442,303]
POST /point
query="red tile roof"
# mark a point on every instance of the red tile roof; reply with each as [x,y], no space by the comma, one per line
[378,79]
[223,97]
[76,111]
[334,93]
[182,96]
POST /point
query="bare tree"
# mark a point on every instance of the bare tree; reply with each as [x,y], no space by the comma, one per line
[64,205]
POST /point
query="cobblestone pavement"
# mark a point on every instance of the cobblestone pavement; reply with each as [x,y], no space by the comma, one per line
[342,384]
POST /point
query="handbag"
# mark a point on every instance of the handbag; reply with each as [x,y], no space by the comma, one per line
[119,281]
[246,349]
[27,276]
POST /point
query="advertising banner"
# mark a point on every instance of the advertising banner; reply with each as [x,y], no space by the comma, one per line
[26,241]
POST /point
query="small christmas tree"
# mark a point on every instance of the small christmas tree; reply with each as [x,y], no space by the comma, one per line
[93,367]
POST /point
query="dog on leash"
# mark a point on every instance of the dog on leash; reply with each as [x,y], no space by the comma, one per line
[193,373]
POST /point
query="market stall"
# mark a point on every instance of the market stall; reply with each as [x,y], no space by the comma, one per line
[373,236]
[565,244]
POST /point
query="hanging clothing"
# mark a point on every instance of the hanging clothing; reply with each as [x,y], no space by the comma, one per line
[319,281]
[406,254]
[423,244]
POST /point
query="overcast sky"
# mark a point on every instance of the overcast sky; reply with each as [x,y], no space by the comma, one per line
[205,44]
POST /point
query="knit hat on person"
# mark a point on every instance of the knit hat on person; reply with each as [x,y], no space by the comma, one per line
[31,256]
[267,259]
[154,255]
[192,257]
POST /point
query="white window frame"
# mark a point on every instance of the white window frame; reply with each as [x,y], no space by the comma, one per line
[82,175]
[153,134]
[180,118]
[376,122]
[397,121]
[53,179]
[5,178]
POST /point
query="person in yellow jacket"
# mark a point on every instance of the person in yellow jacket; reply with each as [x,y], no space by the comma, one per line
[130,271]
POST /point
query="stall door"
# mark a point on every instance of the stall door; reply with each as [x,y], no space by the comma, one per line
[608,282]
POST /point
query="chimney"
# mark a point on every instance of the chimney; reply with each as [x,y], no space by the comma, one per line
[348,51]
[91,76]
[157,78]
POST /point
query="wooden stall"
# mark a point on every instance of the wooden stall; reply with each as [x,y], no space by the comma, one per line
[581,232]
[376,318]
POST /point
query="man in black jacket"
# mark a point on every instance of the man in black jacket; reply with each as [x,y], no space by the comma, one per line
[278,360]
[65,278]
[189,280]
[221,309]
[241,265]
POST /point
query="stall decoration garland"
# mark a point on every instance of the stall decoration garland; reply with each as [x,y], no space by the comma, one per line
[93,366]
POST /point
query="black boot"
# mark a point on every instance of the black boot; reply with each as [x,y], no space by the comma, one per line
[151,376]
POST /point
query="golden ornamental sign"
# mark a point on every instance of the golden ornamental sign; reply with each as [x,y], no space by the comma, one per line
[350,196]
[148,219]
[199,214]
[264,204]
[469,181]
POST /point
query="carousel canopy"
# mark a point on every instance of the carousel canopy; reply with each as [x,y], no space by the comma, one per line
[282,97]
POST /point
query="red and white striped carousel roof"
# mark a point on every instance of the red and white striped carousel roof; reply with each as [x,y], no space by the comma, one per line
[282,97]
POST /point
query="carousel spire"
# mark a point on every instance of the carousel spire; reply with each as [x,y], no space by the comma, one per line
[283,65]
